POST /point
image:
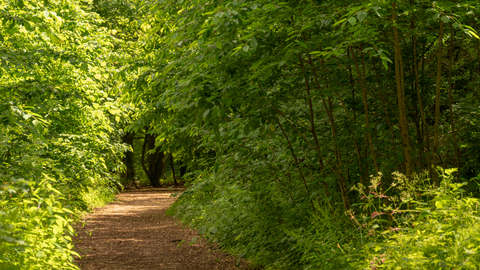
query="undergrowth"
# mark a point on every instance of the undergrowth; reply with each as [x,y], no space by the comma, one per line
[36,223]
[408,225]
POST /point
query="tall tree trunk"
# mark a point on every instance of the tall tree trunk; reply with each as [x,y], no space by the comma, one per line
[183,168]
[450,102]
[338,156]
[341,182]
[425,145]
[313,129]
[154,163]
[437,102]
[173,169]
[297,164]
[402,111]
[363,83]
[129,160]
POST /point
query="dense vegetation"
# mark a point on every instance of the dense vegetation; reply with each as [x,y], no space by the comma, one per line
[58,145]
[311,134]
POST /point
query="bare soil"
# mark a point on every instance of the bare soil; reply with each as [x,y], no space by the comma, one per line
[135,233]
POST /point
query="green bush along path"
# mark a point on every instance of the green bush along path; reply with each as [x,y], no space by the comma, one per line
[309,134]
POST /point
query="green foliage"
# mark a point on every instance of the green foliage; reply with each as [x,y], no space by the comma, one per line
[35,225]
[440,231]
[421,226]
[278,109]
[58,156]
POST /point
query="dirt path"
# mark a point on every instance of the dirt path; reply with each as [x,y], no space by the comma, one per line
[135,233]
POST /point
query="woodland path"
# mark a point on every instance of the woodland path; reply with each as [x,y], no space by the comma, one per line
[135,233]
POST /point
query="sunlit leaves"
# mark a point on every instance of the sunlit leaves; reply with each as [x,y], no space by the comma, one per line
[50,130]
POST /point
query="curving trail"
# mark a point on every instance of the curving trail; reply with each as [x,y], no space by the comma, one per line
[135,233]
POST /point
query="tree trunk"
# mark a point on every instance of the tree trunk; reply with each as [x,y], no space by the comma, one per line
[154,164]
[402,111]
[437,102]
[183,169]
[173,169]
[129,160]
[363,83]
[450,102]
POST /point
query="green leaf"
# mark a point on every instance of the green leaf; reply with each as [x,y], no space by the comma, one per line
[472,33]
[20,4]
[7,238]
[256,74]
[267,74]
[254,43]
[339,22]
[257,64]
[219,44]
[246,47]
[352,21]
[53,37]
[361,15]
[302,44]
[215,167]
[445,19]
[246,130]
[385,63]
[205,114]
[1,38]
[27,26]
[215,112]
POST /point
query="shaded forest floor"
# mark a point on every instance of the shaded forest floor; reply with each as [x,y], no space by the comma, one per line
[134,232]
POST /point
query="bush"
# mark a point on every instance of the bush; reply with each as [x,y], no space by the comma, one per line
[409,225]
[428,227]
[35,226]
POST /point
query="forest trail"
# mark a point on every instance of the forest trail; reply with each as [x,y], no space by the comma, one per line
[134,232]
